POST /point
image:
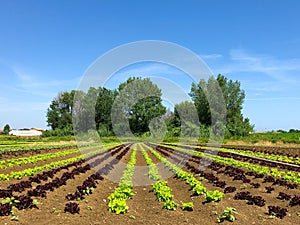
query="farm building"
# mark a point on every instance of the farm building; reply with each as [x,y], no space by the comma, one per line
[26,133]
[38,129]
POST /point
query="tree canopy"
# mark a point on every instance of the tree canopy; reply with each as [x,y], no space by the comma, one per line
[137,103]
[59,114]
[92,110]
[6,129]
[234,98]
[135,107]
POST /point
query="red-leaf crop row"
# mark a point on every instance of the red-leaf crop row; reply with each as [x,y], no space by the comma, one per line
[235,173]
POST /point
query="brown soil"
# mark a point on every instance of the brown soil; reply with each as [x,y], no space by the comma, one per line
[39,163]
[28,153]
[265,143]
[144,208]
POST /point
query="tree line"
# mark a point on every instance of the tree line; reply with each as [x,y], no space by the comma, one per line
[136,107]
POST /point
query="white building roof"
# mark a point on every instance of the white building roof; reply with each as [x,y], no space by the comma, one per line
[25,133]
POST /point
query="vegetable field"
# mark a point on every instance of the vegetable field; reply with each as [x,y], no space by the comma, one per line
[146,183]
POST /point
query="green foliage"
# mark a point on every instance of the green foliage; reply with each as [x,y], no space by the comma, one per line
[160,188]
[88,190]
[6,129]
[199,189]
[37,147]
[117,200]
[214,196]
[35,158]
[228,215]
[95,105]
[274,157]
[184,122]
[196,185]
[187,206]
[138,101]
[203,94]
[185,119]
[103,106]
[105,130]
[162,191]
[59,114]
[293,131]
[153,170]
[92,110]
[37,169]
[170,205]
[285,138]
[117,205]
[292,177]
[11,201]
[59,132]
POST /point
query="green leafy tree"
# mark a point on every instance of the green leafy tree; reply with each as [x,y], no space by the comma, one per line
[6,129]
[103,106]
[185,117]
[199,98]
[84,110]
[92,110]
[59,113]
[233,96]
[138,102]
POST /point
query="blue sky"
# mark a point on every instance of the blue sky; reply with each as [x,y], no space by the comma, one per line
[46,46]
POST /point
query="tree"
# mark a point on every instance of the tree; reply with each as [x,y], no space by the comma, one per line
[202,105]
[138,102]
[294,131]
[6,129]
[92,110]
[59,114]
[185,117]
[84,110]
[104,104]
[233,96]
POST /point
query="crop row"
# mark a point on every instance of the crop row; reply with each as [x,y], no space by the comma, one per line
[12,149]
[184,156]
[288,176]
[84,189]
[262,155]
[245,158]
[41,190]
[44,176]
[33,159]
[90,183]
[196,185]
[161,189]
[36,169]
[117,200]
[26,201]
[232,171]
[43,157]
[238,174]
[287,151]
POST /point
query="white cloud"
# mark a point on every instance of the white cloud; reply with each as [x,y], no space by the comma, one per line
[261,75]
[30,80]
[211,56]
[283,70]
[40,85]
